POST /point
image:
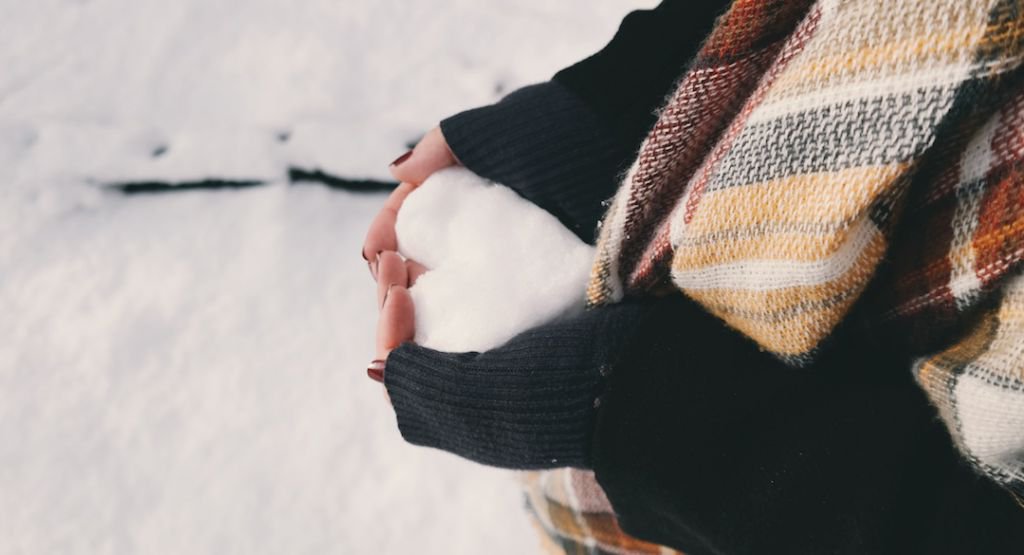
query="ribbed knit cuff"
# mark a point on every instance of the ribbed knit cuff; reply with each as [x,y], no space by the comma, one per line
[526,405]
[543,142]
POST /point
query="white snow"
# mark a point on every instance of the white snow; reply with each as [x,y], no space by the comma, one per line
[499,265]
[185,373]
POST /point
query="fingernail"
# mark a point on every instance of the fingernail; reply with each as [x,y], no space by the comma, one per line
[374,265]
[398,161]
[376,371]
[363,254]
[384,301]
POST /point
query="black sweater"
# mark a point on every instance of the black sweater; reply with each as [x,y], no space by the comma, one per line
[701,441]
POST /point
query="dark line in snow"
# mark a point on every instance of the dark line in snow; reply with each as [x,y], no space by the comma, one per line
[299,175]
[136,187]
[411,143]
[295,176]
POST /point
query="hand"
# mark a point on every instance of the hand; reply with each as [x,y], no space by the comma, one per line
[397,323]
[411,169]
[393,274]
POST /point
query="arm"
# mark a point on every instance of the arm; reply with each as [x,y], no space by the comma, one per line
[528,404]
[563,144]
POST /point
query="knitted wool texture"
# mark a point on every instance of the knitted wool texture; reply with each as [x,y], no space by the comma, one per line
[814,148]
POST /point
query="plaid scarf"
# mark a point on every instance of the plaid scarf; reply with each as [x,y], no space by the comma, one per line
[575,517]
[815,148]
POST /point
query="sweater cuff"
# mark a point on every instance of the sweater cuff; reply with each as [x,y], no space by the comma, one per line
[526,405]
[543,142]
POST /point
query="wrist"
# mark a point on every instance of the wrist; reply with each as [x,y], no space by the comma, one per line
[529,404]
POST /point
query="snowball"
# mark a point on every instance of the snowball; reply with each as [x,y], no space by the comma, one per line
[499,264]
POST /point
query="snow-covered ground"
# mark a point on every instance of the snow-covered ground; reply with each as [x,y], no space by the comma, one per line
[185,372]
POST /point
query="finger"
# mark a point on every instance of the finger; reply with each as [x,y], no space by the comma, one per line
[415,270]
[397,322]
[431,154]
[392,271]
[375,371]
[381,235]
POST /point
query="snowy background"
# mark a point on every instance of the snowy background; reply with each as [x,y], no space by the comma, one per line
[184,372]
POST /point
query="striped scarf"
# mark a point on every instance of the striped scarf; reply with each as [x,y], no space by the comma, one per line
[821,155]
[575,517]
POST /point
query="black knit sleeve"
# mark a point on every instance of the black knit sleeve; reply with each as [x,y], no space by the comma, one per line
[526,405]
[544,143]
[564,144]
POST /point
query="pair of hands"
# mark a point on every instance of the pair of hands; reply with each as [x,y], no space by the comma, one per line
[394,274]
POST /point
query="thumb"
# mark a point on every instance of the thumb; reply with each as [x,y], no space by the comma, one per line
[429,155]
[397,323]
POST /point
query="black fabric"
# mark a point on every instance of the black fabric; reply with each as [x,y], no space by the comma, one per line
[708,445]
[564,144]
[629,79]
[528,404]
[546,145]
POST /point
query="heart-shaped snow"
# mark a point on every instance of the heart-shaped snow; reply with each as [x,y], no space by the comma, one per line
[499,264]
